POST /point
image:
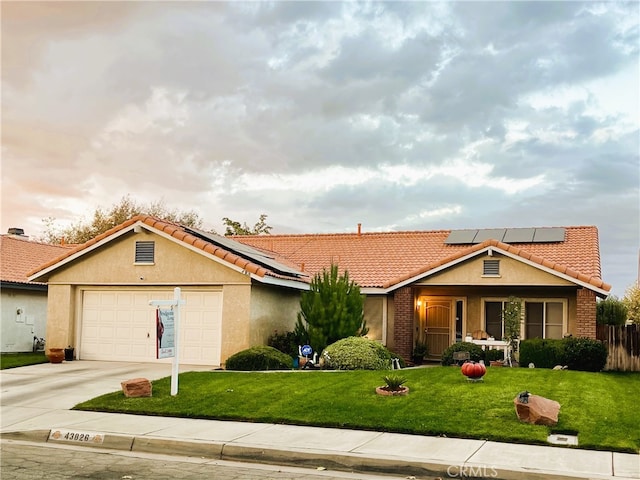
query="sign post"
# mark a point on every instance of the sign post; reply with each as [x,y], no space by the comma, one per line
[167,327]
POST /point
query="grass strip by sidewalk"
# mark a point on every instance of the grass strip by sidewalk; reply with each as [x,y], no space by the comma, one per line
[13,360]
[602,408]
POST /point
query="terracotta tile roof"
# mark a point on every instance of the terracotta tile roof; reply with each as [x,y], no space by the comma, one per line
[380,260]
[172,229]
[388,258]
[19,256]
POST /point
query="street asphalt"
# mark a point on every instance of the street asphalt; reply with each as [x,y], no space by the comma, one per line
[36,401]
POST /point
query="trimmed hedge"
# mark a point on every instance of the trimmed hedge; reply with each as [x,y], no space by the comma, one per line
[583,354]
[542,352]
[261,357]
[493,355]
[357,353]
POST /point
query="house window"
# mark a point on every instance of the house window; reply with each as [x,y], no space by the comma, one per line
[544,319]
[493,324]
[145,252]
[491,268]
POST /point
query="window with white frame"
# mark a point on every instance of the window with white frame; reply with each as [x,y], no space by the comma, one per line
[544,318]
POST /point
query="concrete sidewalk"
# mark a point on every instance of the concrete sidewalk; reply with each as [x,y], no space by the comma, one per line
[36,402]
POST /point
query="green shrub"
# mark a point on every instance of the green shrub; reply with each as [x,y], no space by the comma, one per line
[357,353]
[475,352]
[332,309]
[585,354]
[286,342]
[542,352]
[577,353]
[261,357]
[611,311]
[394,382]
[493,355]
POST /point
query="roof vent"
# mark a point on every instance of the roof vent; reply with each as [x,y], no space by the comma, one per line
[18,232]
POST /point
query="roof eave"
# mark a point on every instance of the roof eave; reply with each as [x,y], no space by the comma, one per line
[81,252]
[238,264]
[281,282]
[34,286]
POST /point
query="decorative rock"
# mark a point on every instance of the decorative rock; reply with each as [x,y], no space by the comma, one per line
[136,387]
[537,410]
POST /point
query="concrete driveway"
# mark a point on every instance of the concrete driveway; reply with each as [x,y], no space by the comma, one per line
[28,392]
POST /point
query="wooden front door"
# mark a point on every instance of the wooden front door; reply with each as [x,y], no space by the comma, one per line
[435,322]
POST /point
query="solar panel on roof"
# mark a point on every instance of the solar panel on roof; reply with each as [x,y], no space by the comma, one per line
[245,251]
[507,235]
[460,237]
[519,235]
[553,234]
[489,233]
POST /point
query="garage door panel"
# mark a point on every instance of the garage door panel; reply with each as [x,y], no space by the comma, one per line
[120,326]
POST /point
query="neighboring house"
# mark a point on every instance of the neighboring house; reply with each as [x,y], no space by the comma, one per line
[432,286]
[23,303]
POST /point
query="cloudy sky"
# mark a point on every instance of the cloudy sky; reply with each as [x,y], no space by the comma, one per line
[399,116]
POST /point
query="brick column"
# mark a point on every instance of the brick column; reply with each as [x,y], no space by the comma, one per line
[586,313]
[403,322]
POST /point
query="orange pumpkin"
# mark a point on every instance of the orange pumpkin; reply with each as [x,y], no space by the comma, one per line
[473,370]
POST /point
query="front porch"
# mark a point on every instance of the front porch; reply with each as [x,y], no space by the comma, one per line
[442,316]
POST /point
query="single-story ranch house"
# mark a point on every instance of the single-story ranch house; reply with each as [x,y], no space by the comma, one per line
[425,286]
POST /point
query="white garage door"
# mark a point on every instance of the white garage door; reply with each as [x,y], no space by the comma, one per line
[119,325]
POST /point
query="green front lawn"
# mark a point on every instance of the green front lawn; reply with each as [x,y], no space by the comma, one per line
[602,408]
[12,360]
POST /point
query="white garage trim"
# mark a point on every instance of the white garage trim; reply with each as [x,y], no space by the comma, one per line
[119,325]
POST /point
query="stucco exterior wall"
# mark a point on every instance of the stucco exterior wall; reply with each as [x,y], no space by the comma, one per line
[512,272]
[18,329]
[236,314]
[60,316]
[175,266]
[272,309]
[373,313]
[391,343]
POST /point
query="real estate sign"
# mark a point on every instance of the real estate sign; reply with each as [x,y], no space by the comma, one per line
[166,345]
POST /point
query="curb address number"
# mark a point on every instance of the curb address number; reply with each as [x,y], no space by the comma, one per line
[76,436]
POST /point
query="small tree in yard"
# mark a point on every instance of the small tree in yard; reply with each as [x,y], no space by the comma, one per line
[632,301]
[332,309]
[611,311]
[512,316]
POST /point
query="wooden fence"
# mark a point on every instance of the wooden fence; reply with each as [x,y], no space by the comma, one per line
[623,344]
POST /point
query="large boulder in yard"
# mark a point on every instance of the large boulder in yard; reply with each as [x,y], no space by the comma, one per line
[136,387]
[537,410]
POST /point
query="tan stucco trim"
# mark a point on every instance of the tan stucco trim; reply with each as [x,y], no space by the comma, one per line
[512,272]
[484,253]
